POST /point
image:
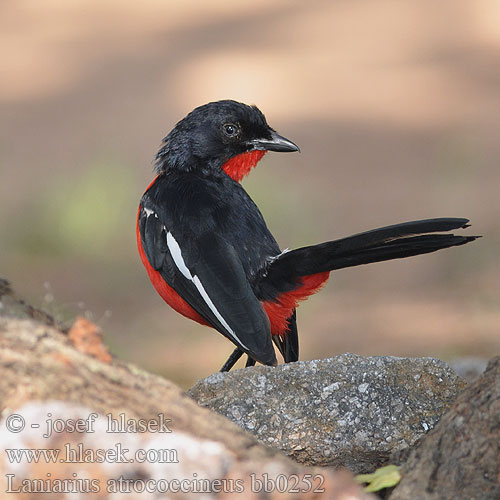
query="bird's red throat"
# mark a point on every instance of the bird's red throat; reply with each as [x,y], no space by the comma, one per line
[239,166]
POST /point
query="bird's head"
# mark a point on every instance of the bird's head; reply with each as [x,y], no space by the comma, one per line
[220,136]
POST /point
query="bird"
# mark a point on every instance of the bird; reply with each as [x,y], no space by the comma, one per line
[209,253]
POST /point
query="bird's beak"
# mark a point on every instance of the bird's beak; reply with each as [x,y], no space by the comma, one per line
[276,143]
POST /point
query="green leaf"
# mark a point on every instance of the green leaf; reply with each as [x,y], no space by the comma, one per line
[385,477]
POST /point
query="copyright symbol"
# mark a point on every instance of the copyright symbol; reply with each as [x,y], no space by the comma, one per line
[15,423]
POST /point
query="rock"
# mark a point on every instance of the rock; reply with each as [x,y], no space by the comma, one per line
[44,378]
[346,411]
[460,458]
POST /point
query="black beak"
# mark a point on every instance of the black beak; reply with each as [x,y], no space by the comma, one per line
[276,143]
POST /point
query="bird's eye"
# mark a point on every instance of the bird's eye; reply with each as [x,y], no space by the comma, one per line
[230,129]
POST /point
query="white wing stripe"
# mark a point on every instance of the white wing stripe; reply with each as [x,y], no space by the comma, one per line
[175,251]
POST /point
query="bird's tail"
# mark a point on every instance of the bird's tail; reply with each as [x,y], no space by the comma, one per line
[386,243]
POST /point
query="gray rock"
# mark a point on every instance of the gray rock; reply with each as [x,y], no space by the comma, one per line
[347,411]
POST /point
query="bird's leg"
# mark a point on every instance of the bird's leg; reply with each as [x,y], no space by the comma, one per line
[231,361]
[250,362]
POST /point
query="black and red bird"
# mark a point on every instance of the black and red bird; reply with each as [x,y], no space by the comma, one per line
[209,253]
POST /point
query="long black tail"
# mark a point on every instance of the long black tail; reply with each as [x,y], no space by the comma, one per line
[386,243]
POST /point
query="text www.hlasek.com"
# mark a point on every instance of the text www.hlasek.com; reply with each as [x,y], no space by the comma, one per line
[79,454]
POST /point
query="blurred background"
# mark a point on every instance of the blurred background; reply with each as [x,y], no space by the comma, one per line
[395,105]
